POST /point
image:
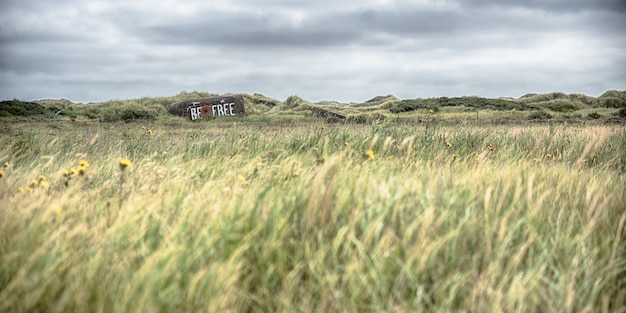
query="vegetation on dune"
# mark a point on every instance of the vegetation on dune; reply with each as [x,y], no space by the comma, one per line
[607,108]
[267,214]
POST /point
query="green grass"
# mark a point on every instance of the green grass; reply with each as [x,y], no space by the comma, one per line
[290,215]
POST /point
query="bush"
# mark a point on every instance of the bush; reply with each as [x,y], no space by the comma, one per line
[562,105]
[622,112]
[540,115]
[137,114]
[23,108]
[409,105]
[612,102]
[594,115]
[365,118]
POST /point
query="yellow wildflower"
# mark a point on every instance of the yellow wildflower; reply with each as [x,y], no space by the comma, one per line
[490,146]
[42,178]
[21,189]
[34,183]
[57,211]
[296,174]
[7,165]
[83,163]
[346,144]
[1,173]
[30,190]
[44,184]
[535,160]
[124,163]
[241,178]
[370,154]
[150,131]
[448,144]
[430,111]
[66,173]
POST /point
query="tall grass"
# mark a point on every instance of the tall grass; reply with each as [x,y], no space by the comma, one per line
[249,216]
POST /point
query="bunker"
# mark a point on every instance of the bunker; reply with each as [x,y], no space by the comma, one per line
[217,106]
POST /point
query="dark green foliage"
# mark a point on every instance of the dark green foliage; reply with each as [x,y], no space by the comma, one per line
[622,112]
[23,108]
[128,114]
[594,115]
[612,102]
[540,115]
[485,103]
[365,118]
[409,105]
[470,102]
[562,105]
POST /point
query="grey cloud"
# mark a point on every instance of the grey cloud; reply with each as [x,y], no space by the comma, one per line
[555,6]
[361,26]
[339,50]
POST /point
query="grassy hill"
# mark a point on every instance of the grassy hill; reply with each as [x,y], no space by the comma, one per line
[609,107]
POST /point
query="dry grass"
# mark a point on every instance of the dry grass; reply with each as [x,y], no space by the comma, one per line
[238,216]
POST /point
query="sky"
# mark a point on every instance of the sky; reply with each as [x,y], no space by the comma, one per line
[348,51]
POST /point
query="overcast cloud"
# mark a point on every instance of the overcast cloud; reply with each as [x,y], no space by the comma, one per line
[90,51]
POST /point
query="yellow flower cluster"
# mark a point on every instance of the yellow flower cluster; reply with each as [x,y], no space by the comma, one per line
[41,182]
[78,170]
[370,154]
[81,170]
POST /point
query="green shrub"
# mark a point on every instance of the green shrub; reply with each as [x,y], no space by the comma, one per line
[612,102]
[409,105]
[137,114]
[22,108]
[540,115]
[365,118]
[594,115]
[562,105]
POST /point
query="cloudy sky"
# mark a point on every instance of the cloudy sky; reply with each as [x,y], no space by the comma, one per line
[91,51]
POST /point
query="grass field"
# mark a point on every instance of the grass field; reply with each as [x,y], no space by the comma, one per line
[240,215]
